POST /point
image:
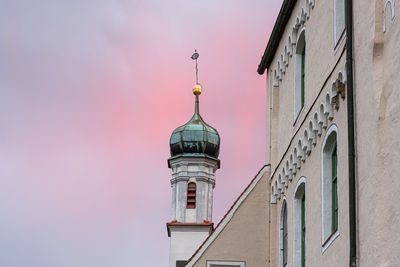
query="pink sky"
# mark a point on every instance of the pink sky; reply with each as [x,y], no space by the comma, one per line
[90,92]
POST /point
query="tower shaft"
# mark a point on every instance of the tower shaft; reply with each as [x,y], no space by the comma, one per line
[192,182]
[189,206]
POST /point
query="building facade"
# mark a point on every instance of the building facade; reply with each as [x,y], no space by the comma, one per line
[307,123]
[333,103]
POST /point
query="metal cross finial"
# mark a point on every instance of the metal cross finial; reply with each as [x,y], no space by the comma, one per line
[195,56]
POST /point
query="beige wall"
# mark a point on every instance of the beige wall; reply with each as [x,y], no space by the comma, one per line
[377,96]
[337,253]
[320,61]
[244,238]
[323,65]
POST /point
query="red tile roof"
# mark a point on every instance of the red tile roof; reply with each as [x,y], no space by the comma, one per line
[176,223]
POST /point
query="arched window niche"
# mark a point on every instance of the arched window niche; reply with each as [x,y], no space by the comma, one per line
[283,235]
[330,192]
[300,75]
[299,224]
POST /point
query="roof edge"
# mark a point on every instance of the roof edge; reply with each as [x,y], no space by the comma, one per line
[276,35]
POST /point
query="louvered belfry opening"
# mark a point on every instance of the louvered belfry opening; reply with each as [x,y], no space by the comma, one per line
[191,196]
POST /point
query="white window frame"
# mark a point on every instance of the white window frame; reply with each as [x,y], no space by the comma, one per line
[226,263]
[281,218]
[297,221]
[339,18]
[326,211]
[297,108]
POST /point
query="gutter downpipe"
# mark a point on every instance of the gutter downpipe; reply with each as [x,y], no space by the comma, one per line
[270,114]
[350,129]
[269,90]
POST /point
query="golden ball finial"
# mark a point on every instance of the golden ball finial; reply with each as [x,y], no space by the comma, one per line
[197,89]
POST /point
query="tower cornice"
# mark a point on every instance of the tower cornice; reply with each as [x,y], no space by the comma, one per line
[184,159]
[198,178]
[175,226]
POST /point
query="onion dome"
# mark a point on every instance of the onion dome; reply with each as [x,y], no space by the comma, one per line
[195,138]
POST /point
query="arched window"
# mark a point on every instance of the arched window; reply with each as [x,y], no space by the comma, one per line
[300,74]
[299,224]
[330,203]
[283,236]
[339,20]
[388,13]
[191,196]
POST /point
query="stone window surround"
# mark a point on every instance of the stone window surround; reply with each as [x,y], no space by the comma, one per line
[327,235]
[297,87]
[281,231]
[300,190]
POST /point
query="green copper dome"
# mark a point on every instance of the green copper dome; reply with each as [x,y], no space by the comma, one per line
[195,137]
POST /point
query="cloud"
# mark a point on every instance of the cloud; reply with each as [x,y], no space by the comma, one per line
[90,92]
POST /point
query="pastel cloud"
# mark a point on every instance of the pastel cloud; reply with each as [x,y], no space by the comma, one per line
[90,92]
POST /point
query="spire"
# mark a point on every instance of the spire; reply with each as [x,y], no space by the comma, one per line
[196,106]
[195,137]
[196,92]
[197,87]
[195,56]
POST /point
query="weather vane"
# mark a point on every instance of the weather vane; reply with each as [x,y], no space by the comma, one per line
[195,56]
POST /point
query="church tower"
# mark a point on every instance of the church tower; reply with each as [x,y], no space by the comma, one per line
[194,160]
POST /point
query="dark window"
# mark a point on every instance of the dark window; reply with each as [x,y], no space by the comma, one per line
[303,73]
[303,231]
[330,188]
[285,237]
[180,263]
[334,191]
[191,196]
